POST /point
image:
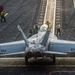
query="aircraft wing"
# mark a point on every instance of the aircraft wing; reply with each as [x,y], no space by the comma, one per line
[16,53]
[57,53]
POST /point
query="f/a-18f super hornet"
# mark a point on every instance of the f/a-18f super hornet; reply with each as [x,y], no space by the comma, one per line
[44,43]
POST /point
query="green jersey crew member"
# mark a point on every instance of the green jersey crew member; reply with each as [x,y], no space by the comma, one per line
[2,16]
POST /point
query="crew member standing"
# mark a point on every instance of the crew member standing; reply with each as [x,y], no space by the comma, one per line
[30,32]
[2,16]
[48,24]
[1,8]
[35,30]
[58,30]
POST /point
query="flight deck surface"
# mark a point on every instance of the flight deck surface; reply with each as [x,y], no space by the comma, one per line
[24,16]
[37,67]
[23,13]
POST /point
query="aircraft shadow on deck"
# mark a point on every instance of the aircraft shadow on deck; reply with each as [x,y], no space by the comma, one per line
[40,61]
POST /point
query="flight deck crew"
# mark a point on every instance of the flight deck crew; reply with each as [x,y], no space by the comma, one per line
[35,30]
[30,32]
[58,30]
[2,16]
[36,26]
[48,24]
[1,8]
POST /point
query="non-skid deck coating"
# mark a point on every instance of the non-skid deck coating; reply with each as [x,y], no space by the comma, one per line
[21,12]
[16,66]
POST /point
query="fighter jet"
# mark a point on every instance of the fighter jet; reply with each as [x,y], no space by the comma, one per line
[44,43]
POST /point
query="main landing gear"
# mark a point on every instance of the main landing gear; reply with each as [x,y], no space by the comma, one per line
[26,60]
[54,60]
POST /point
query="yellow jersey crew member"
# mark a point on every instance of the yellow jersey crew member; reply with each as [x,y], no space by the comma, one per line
[48,24]
[2,14]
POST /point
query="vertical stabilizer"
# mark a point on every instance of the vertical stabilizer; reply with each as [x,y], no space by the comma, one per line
[45,39]
[24,36]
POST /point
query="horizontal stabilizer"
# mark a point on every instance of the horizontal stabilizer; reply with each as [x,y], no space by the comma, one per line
[16,53]
[52,52]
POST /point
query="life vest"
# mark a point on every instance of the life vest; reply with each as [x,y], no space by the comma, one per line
[2,13]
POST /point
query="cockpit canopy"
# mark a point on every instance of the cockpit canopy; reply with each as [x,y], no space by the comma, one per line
[43,28]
